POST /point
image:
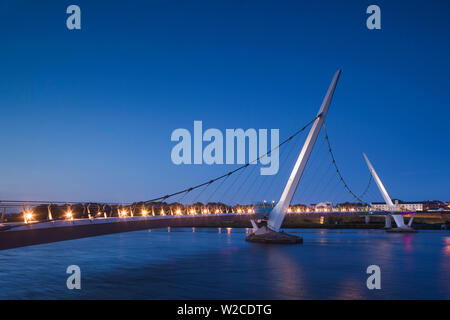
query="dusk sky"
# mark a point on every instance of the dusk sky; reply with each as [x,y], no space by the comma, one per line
[86,115]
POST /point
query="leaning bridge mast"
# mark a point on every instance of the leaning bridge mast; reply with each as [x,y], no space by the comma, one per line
[278,213]
[271,234]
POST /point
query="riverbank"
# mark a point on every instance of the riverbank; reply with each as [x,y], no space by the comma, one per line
[422,223]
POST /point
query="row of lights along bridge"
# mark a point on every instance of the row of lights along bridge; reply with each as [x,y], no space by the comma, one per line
[178,210]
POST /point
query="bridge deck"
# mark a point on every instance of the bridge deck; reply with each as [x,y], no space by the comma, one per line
[20,235]
[15,235]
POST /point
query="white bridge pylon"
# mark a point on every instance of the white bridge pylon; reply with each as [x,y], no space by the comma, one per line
[398,218]
[278,213]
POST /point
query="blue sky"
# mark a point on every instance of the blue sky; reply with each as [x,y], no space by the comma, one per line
[87,115]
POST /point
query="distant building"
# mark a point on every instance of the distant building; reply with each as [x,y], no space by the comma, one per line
[351,206]
[263,207]
[407,206]
[434,205]
[322,206]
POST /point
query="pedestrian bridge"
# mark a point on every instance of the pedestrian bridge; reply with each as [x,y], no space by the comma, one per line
[26,234]
[15,235]
[104,220]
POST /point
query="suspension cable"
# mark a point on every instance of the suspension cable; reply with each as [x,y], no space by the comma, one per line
[162,198]
[235,170]
[339,172]
[363,194]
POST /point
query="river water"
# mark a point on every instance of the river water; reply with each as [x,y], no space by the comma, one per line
[212,263]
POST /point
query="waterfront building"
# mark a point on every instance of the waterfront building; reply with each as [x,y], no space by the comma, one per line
[406,206]
[322,206]
[351,206]
[434,205]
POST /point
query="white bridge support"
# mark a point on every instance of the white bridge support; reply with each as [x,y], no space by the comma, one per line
[278,213]
[398,218]
[411,220]
[388,222]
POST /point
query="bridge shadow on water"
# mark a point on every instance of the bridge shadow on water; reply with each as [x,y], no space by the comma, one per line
[211,263]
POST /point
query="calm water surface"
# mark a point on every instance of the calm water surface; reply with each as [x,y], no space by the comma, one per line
[213,263]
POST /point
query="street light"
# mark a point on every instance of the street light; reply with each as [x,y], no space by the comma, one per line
[27,216]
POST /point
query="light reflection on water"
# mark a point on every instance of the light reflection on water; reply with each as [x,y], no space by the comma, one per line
[216,263]
[447,245]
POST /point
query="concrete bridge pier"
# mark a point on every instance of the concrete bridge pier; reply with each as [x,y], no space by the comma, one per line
[367,219]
